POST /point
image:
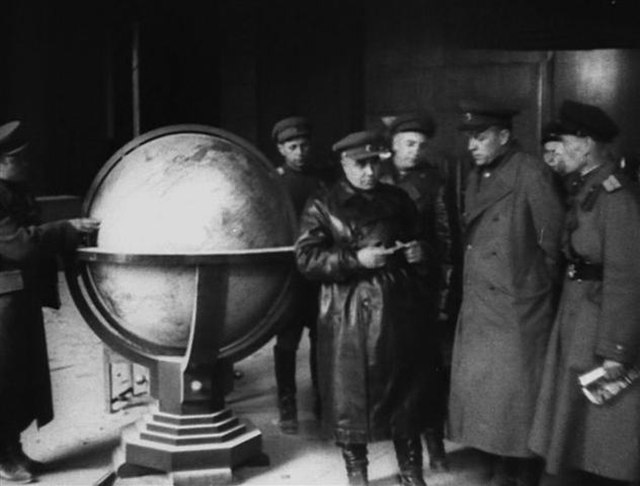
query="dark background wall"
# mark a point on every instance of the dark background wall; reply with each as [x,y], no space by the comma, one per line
[68,69]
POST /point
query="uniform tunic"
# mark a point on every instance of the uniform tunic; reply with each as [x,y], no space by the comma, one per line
[27,282]
[373,368]
[513,221]
[304,312]
[597,319]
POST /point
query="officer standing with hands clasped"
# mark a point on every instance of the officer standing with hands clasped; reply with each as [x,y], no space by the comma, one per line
[513,224]
[358,239]
[28,279]
[292,136]
[597,324]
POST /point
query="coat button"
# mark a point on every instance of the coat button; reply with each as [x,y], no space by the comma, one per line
[469,247]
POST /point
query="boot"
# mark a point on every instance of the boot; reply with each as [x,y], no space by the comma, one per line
[434,439]
[285,364]
[409,455]
[355,460]
[12,469]
[31,465]
[528,472]
[504,472]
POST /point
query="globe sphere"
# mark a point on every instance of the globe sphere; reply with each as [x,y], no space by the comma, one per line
[186,191]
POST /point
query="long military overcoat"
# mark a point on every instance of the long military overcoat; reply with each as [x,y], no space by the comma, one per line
[513,227]
[27,282]
[597,319]
[373,367]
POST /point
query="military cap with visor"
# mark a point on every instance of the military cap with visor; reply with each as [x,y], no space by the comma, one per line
[12,137]
[362,145]
[290,128]
[584,120]
[413,122]
[478,116]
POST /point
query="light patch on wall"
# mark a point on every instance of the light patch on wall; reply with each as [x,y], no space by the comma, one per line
[599,73]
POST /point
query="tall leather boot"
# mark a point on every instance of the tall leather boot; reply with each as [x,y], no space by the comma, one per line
[285,364]
[14,467]
[356,462]
[504,471]
[409,455]
[528,471]
[434,438]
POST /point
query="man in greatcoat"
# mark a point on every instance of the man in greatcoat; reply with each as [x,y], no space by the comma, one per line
[598,320]
[359,240]
[414,170]
[513,223]
[28,280]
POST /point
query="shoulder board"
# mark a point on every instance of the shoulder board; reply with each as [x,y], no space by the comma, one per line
[611,183]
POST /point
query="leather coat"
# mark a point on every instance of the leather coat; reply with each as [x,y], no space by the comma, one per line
[373,362]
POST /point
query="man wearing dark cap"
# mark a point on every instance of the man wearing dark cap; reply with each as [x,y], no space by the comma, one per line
[359,239]
[513,223]
[419,176]
[27,282]
[584,441]
[293,138]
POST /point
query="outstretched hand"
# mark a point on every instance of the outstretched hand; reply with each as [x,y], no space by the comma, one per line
[85,225]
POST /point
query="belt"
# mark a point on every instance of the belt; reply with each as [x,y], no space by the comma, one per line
[581,270]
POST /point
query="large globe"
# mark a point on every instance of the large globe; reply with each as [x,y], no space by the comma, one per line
[190,192]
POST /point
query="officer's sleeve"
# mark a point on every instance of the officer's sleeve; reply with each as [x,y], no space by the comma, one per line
[318,255]
[22,243]
[619,321]
[548,215]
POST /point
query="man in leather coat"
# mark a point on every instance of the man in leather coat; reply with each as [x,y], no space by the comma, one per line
[412,170]
[358,239]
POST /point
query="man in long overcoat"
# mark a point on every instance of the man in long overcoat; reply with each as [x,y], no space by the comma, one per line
[28,280]
[359,240]
[513,218]
[598,321]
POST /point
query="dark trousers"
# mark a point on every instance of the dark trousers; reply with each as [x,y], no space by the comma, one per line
[287,343]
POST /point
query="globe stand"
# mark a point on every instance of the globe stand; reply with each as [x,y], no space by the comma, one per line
[190,436]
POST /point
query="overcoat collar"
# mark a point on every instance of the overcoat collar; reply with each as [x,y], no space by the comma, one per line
[480,196]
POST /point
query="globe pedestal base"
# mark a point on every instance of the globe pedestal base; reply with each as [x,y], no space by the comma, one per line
[192,450]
